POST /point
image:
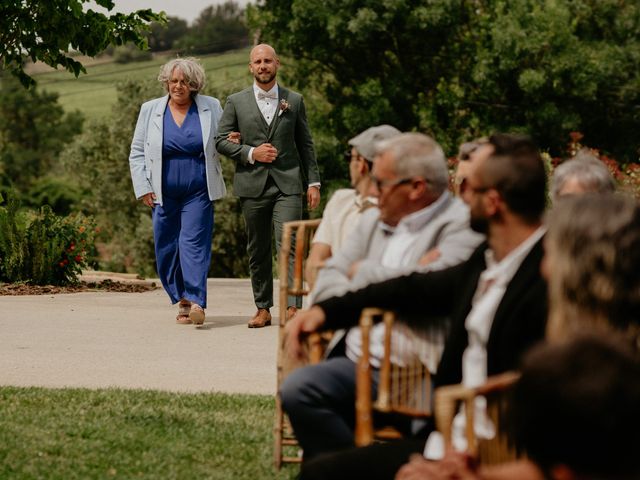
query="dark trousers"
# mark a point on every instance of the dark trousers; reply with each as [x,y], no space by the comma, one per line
[262,214]
[320,402]
[379,461]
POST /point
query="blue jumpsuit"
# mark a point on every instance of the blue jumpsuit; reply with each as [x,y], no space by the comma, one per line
[183,225]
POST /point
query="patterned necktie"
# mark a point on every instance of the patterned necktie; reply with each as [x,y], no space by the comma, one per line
[264,95]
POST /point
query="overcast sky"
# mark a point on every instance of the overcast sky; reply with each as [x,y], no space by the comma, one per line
[187,9]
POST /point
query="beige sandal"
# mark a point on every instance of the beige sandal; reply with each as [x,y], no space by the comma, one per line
[184,308]
[196,314]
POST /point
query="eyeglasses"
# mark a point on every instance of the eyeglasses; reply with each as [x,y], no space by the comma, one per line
[380,184]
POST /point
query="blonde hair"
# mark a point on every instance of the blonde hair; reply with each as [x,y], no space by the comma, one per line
[593,246]
[191,69]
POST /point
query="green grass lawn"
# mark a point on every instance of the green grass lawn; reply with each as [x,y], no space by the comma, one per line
[95,93]
[112,433]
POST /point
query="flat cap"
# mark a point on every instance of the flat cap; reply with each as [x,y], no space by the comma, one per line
[365,142]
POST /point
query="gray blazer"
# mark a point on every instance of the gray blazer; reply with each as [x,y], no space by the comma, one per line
[145,159]
[294,168]
[449,231]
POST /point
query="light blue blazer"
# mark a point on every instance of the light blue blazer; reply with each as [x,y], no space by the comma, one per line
[145,159]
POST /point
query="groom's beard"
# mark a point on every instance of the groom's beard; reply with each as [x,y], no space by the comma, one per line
[264,78]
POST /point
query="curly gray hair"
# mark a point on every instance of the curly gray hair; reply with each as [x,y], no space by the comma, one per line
[191,69]
[587,170]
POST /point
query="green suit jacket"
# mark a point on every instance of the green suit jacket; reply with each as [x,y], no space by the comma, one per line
[295,166]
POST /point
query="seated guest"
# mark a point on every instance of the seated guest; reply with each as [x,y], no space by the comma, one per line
[416,214]
[496,299]
[583,173]
[592,263]
[346,205]
[574,412]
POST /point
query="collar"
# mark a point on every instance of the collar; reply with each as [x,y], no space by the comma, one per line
[273,89]
[365,202]
[417,220]
[507,267]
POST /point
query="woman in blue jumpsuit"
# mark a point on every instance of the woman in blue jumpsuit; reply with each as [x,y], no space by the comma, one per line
[176,171]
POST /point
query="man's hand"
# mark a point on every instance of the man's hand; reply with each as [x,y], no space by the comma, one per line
[265,153]
[454,466]
[148,198]
[304,323]
[353,269]
[234,137]
[431,256]
[313,196]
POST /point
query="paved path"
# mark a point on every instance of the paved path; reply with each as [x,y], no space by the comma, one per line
[131,340]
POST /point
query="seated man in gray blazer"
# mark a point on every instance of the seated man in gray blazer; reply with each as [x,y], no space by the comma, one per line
[417,226]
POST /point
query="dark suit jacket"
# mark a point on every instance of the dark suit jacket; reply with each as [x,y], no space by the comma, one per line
[519,321]
[294,168]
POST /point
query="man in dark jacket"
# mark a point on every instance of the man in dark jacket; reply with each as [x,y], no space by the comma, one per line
[496,299]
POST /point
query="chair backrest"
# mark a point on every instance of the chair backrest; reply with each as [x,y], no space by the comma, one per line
[496,392]
[294,249]
[404,387]
[296,240]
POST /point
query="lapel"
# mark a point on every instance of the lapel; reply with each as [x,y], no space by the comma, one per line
[158,112]
[283,94]
[257,114]
[524,279]
[204,112]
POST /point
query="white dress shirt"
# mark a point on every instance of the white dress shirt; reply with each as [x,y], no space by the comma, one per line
[491,287]
[407,343]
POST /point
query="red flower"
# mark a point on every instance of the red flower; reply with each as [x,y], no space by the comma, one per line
[78,258]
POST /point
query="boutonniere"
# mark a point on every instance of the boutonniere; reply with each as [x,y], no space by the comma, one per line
[284,106]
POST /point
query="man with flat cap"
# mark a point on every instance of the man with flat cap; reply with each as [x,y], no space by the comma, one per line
[346,205]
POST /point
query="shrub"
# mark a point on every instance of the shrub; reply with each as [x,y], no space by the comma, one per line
[43,248]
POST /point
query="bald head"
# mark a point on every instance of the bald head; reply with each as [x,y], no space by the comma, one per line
[262,48]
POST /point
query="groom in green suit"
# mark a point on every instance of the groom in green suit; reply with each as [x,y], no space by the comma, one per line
[264,130]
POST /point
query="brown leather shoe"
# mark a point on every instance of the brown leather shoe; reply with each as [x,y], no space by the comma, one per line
[262,318]
[291,312]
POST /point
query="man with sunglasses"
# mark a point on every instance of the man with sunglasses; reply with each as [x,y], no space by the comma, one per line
[416,215]
[344,208]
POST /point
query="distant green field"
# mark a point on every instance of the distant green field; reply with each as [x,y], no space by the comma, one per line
[95,93]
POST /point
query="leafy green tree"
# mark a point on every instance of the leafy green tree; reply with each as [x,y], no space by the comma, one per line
[48,31]
[217,29]
[463,68]
[33,131]
[162,36]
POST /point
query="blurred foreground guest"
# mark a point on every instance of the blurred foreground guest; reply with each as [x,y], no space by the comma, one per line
[176,171]
[574,412]
[583,173]
[346,205]
[592,263]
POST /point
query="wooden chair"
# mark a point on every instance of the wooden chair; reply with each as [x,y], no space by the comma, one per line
[296,235]
[402,389]
[496,391]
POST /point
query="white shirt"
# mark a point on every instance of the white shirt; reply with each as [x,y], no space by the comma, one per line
[406,233]
[340,216]
[491,287]
[426,344]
